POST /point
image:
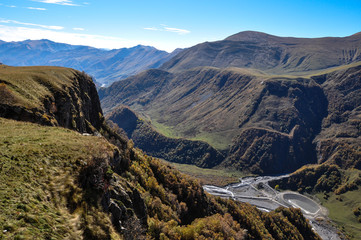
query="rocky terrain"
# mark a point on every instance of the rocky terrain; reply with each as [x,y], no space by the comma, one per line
[50,95]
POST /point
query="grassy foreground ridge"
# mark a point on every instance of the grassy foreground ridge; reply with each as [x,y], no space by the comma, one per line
[39,168]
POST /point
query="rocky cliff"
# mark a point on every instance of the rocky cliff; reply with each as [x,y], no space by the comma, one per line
[51,96]
[339,140]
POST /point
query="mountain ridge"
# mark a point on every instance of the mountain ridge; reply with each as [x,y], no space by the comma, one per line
[105,66]
[217,105]
[270,53]
[261,36]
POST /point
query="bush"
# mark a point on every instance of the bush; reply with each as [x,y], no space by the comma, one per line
[96,175]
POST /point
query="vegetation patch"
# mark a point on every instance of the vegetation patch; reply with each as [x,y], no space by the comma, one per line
[177,150]
[217,177]
[220,141]
[39,191]
[344,211]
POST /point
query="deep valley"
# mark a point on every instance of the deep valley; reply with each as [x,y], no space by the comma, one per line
[80,161]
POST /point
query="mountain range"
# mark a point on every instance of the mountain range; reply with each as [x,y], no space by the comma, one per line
[259,104]
[106,66]
[269,104]
[253,102]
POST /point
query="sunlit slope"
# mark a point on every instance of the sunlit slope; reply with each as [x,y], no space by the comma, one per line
[39,181]
[50,95]
[270,53]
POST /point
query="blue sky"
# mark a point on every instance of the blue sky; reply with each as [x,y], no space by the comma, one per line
[172,24]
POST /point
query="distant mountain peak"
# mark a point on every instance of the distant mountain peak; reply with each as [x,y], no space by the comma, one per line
[253,36]
[356,35]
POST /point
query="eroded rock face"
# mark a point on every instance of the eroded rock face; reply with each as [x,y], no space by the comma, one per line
[277,136]
[265,151]
[78,106]
[127,208]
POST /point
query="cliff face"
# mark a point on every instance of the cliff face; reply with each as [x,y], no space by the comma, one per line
[277,136]
[51,96]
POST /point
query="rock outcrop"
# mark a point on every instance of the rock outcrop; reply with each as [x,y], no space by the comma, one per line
[52,96]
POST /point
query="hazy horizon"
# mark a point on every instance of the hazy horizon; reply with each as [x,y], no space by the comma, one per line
[171,25]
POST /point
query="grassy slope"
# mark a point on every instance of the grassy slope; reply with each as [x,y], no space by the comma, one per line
[30,85]
[340,211]
[269,53]
[38,170]
[214,120]
[218,140]
[222,139]
[341,206]
[41,199]
[218,177]
[196,108]
[338,190]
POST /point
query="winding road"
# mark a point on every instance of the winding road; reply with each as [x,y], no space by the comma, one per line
[256,191]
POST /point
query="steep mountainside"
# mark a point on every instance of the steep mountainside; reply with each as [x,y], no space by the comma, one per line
[339,141]
[268,123]
[56,183]
[198,102]
[269,53]
[105,65]
[149,140]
